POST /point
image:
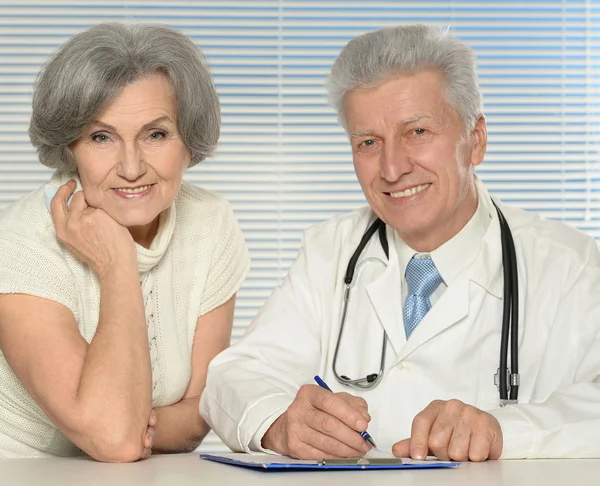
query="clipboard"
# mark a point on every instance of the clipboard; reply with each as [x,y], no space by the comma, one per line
[271,462]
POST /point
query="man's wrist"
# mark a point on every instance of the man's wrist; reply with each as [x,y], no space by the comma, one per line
[271,439]
[518,435]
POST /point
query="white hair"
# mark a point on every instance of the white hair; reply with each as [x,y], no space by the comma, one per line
[92,68]
[372,58]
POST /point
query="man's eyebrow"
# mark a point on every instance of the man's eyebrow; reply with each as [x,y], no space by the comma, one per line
[360,133]
[412,119]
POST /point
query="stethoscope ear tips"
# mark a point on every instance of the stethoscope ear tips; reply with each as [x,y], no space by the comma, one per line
[372,377]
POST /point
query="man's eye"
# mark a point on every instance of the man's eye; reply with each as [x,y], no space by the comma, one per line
[368,143]
[419,131]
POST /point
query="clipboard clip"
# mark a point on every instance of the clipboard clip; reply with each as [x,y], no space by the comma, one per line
[359,461]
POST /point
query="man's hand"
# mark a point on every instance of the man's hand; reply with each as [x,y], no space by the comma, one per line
[320,424]
[149,437]
[452,430]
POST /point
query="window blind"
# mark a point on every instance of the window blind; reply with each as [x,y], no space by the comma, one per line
[283,161]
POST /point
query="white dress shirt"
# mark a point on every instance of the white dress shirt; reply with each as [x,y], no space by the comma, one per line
[450,258]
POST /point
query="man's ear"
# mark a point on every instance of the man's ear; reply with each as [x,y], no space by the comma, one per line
[479,135]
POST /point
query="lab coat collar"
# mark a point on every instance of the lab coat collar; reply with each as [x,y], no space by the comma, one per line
[485,270]
[477,248]
[458,254]
[462,249]
[385,297]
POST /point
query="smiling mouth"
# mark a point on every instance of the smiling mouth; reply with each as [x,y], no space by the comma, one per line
[133,190]
[409,192]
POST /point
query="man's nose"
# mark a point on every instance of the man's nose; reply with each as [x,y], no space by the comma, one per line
[394,162]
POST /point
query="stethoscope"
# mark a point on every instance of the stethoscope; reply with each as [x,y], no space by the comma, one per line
[506,379]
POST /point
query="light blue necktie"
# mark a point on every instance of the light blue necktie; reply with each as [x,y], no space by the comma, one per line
[422,278]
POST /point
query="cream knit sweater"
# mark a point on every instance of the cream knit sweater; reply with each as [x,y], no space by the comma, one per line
[196,262]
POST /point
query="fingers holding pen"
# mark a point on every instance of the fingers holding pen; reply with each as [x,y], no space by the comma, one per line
[357,403]
[331,435]
[337,406]
[320,423]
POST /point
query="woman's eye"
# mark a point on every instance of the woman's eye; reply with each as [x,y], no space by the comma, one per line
[158,135]
[100,137]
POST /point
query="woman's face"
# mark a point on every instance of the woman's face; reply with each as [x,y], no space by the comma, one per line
[131,160]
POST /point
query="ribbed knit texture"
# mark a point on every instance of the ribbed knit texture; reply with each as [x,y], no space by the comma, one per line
[196,262]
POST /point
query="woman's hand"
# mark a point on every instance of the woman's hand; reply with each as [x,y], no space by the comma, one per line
[149,437]
[90,234]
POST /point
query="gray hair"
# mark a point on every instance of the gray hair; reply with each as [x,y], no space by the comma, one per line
[89,71]
[371,58]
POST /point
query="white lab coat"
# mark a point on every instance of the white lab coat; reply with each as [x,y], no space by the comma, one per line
[453,353]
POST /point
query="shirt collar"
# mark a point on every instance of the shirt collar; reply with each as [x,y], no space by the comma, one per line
[460,251]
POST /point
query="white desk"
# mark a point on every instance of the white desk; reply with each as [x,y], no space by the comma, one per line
[188,469]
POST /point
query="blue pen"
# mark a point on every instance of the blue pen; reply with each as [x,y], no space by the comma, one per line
[365,435]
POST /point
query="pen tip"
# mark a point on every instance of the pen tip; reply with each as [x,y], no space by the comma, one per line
[372,442]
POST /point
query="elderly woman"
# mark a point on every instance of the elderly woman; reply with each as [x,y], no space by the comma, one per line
[116,293]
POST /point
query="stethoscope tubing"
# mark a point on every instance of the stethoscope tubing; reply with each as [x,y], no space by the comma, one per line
[510,315]
[508,379]
[363,383]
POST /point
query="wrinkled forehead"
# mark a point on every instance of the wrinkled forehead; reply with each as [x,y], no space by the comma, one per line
[401,98]
[149,97]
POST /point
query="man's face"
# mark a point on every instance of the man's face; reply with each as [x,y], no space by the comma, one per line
[413,159]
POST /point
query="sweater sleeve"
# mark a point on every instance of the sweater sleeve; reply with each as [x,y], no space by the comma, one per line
[28,267]
[229,262]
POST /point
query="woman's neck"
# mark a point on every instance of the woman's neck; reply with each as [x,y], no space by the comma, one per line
[144,235]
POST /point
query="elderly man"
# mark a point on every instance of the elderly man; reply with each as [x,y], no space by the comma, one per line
[410,340]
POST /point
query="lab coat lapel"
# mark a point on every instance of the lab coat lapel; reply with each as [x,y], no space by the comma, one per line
[453,305]
[451,308]
[384,295]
